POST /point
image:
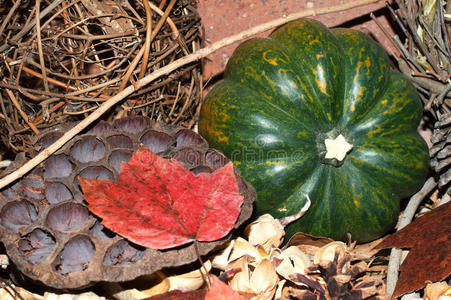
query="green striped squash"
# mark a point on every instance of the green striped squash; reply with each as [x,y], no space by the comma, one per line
[316,112]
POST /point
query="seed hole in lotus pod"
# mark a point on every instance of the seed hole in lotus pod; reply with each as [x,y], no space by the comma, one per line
[94,172]
[75,257]
[132,124]
[100,128]
[36,246]
[188,157]
[17,214]
[122,253]
[67,217]
[101,231]
[201,169]
[48,139]
[11,190]
[56,192]
[117,157]
[216,159]
[57,166]
[89,148]
[186,138]
[120,141]
[156,141]
[33,185]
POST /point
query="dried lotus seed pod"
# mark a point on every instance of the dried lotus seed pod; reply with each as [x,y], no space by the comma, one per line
[52,237]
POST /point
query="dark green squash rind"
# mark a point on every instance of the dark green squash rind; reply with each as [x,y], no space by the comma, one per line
[366,74]
[274,100]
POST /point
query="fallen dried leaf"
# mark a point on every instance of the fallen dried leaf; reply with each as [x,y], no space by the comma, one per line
[434,291]
[180,295]
[11,292]
[365,251]
[292,260]
[221,261]
[309,244]
[4,261]
[289,293]
[429,258]
[237,249]
[260,283]
[186,282]
[369,286]
[330,252]
[83,296]
[159,204]
[266,232]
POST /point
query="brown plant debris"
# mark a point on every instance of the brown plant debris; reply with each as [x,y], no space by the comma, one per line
[63,59]
[308,267]
[429,259]
[425,47]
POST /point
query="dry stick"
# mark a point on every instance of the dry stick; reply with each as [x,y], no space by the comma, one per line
[386,33]
[175,34]
[166,70]
[434,64]
[41,54]
[8,17]
[21,112]
[30,25]
[444,28]
[148,41]
[406,218]
[55,15]
[80,77]
[433,85]
[136,60]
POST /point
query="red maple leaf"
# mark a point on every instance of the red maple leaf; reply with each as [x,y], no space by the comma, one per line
[221,291]
[159,204]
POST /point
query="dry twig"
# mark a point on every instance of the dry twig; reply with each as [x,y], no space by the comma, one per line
[406,219]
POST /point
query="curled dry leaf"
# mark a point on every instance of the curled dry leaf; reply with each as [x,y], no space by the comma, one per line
[437,291]
[238,248]
[308,267]
[266,232]
[180,295]
[280,289]
[189,281]
[365,251]
[308,243]
[83,296]
[222,260]
[331,252]
[251,262]
[260,282]
[9,292]
[368,286]
[292,260]
[13,293]
[186,282]
[4,261]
